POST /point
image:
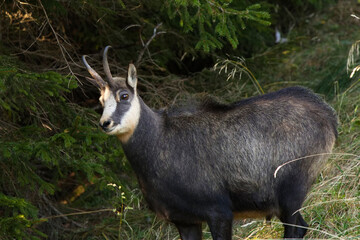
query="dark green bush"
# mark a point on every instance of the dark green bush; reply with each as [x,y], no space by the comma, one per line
[45,139]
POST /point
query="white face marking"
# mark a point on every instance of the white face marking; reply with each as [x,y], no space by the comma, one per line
[129,120]
[109,104]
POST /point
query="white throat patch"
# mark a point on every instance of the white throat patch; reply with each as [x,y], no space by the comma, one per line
[130,119]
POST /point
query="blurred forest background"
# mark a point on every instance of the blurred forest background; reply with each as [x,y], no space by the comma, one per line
[62,178]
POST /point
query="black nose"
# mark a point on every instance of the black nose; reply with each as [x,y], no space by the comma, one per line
[105,124]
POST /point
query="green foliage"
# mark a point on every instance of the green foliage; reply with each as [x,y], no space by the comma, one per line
[214,19]
[27,98]
[44,140]
[18,219]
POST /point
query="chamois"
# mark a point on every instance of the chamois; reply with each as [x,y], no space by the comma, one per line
[216,162]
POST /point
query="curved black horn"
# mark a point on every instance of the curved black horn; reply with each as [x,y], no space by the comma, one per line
[93,73]
[106,66]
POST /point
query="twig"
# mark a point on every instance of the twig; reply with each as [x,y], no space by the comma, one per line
[57,39]
[309,228]
[313,155]
[79,213]
[354,16]
[60,213]
[326,202]
[131,26]
[146,45]
[42,27]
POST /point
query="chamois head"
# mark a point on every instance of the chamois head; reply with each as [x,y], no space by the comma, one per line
[121,108]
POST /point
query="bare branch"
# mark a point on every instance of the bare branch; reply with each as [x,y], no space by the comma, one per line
[57,39]
[131,26]
[146,45]
[60,214]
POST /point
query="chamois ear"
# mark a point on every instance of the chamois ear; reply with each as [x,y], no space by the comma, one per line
[132,78]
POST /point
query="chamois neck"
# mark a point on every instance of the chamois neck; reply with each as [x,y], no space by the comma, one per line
[148,127]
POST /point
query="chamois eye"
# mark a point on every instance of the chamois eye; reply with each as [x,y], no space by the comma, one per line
[124,97]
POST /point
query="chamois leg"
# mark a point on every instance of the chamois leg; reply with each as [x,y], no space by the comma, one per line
[190,231]
[291,196]
[301,231]
[291,221]
[221,226]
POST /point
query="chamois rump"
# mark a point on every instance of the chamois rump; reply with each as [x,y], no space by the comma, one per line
[216,162]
